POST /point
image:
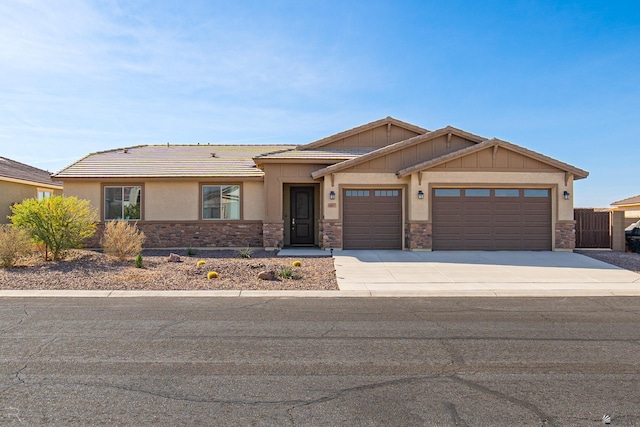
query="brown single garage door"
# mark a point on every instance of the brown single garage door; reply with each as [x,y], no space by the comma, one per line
[372,219]
[491,219]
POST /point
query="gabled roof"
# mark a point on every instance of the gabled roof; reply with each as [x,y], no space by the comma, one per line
[362,128]
[396,147]
[172,161]
[10,170]
[494,142]
[322,155]
[635,200]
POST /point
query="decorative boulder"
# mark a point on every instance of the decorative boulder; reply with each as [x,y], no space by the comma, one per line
[267,275]
[174,258]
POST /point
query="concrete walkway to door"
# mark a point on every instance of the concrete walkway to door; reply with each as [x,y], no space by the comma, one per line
[479,273]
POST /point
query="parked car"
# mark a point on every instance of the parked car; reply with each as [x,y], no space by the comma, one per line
[632,236]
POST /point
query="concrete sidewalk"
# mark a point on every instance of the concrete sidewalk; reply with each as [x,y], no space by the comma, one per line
[478,273]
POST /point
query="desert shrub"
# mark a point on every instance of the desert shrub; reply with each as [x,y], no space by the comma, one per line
[212,275]
[286,272]
[122,239]
[60,222]
[296,264]
[191,251]
[201,262]
[245,252]
[14,243]
[139,261]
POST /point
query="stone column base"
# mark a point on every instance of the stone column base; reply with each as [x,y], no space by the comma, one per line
[565,235]
[273,235]
[330,234]
[418,236]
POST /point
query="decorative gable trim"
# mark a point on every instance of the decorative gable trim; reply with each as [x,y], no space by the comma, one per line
[496,144]
[359,129]
[449,130]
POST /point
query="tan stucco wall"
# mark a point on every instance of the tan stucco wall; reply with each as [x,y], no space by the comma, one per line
[166,201]
[253,200]
[84,190]
[13,192]
[172,200]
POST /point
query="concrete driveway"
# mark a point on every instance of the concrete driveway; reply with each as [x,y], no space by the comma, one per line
[477,273]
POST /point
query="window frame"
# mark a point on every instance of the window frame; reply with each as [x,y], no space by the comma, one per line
[122,186]
[218,184]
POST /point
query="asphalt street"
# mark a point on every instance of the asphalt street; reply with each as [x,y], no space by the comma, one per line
[317,362]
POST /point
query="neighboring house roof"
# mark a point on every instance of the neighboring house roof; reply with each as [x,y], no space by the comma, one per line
[359,129]
[10,170]
[172,161]
[395,147]
[494,142]
[635,200]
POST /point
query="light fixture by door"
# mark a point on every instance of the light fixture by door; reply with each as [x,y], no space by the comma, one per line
[566,195]
[332,195]
[420,195]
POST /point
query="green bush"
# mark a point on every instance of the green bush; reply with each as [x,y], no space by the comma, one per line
[139,261]
[245,253]
[122,239]
[58,222]
[14,243]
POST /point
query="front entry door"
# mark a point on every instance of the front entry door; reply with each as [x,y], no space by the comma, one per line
[302,228]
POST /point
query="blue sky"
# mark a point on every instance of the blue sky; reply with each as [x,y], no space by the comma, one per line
[557,77]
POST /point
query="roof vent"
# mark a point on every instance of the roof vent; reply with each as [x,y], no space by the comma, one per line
[213,154]
[125,151]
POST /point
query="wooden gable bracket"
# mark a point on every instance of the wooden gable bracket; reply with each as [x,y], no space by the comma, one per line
[567,176]
[332,180]
[388,132]
[420,178]
[495,152]
[449,140]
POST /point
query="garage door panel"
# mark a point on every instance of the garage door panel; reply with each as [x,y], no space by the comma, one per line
[372,219]
[515,222]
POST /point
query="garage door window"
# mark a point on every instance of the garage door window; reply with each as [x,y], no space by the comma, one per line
[357,193]
[477,192]
[536,193]
[447,192]
[386,193]
[507,192]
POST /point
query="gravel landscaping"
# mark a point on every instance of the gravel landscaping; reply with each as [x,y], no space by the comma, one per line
[90,270]
[627,260]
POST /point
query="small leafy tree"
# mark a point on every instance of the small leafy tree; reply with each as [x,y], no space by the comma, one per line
[14,243]
[122,239]
[59,222]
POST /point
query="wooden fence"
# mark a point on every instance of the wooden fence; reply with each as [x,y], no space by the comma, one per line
[593,228]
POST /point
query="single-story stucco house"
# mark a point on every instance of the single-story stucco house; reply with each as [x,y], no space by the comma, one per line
[383,185]
[631,208]
[19,182]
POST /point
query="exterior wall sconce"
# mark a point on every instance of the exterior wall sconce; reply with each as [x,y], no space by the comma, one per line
[566,195]
[420,195]
[332,195]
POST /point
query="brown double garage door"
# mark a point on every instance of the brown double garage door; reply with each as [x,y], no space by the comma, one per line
[491,219]
[463,219]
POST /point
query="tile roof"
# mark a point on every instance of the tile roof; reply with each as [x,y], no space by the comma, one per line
[635,200]
[320,154]
[19,171]
[172,161]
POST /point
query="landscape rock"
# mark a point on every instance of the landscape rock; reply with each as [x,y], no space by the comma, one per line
[267,275]
[174,258]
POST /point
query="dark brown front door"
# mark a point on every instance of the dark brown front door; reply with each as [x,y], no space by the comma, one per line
[302,209]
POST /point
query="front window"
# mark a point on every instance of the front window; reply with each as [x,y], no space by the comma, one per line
[122,202]
[220,202]
[44,194]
